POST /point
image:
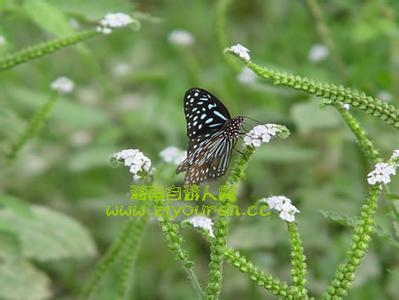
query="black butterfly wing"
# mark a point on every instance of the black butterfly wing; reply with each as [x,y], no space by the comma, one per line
[204,113]
[209,150]
[209,161]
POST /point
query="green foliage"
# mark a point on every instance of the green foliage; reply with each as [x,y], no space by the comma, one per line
[128,236]
[129,89]
[49,235]
[48,17]
[19,278]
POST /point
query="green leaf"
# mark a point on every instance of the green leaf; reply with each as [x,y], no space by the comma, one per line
[10,246]
[50,235]
[351,222]
[19,279]
[48,17]
[310,116]
[93,9]
[16,205]
[339,218]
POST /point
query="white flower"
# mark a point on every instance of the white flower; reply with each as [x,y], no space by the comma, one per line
[137,162]
[261,134]
[181,38]
[246,76]
[318,53]
[63,85]
[3,40]
[288,215]
[113,20]
[277,202]
[282,205]
[346,106]
[384,96]
[381,174]
[104,30]
[395,154]
[202,222]
[173,155]
[241,51]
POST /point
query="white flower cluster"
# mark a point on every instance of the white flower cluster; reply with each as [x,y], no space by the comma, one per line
[137,162]
[261,134]
[381,174]
[318,53]
[181,38]
[395,155]
[246,76]
[383,171]
[113,20]
[283,205]
[173,155]
[62,85]
[202,222]
[241,51]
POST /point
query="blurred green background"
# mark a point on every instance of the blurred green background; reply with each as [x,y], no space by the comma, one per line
[129,89]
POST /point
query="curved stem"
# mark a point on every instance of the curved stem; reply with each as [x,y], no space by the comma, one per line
[32,129]
[111,256]
[43,49]
[336,94]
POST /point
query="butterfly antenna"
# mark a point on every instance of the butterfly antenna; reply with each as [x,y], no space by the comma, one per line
[252,119]
[245,130]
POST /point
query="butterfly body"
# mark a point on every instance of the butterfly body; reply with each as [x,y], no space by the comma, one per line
[212,135]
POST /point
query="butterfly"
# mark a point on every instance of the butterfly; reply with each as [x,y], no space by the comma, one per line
[212,134]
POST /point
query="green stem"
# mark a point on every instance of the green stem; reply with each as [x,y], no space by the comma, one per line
[43,49]
[365,144]
[332,92]
[221,29]
[298,261]
[266,281]
[218,244]
[111,256]
[132,246]
[324,34]
[361,238]
[32,129]
[175,241]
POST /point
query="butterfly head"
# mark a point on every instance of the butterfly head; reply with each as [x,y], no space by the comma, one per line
[232,128]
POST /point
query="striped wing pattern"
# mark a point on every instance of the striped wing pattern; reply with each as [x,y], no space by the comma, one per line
[212,134]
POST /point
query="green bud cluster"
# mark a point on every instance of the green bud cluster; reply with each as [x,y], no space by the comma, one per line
[345,274]
[334,93]
[33,127]
[45,48]
[130,232]
[274,286]
[175,240]
[298,260]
